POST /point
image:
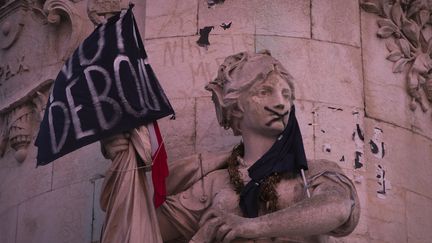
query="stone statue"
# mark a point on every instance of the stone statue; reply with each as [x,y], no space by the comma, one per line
[263,190]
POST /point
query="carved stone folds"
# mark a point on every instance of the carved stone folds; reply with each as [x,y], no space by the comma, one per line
[407,26]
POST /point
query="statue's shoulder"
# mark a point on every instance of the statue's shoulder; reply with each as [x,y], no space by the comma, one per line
[319,166]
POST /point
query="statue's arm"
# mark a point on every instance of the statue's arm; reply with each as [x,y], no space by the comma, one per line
[332,209]
[328,208]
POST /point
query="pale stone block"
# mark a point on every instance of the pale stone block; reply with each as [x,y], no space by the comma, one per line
[63,215]
[386,232]
[390,209]
[179,134]
[304,116]
[21,181]
[324,72]
[407,157]
[98,214]
[336,21]
[383,88]
[80,165]
[183,68]
[283,18]
[336,139]
[419,217]
[210,137]
[8,222]
[268,17]
[166,18]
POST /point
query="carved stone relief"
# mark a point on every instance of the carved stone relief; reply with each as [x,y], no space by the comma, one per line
[99,11]
[17,123]
[407,27]
[10,29]
[55,12]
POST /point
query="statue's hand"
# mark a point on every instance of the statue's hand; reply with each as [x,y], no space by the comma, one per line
[224,227]
[115,144]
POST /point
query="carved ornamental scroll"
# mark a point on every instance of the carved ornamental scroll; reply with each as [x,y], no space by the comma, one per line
[407,27]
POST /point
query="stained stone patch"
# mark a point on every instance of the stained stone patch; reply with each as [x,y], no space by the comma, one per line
[336,135]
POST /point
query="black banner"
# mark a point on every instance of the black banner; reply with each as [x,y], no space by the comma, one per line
[105,87]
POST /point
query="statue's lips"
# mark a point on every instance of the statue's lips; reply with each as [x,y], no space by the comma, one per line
[277,116]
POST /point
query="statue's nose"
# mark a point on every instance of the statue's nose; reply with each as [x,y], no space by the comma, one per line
[279,106]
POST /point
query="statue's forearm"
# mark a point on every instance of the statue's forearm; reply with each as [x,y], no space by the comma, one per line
[317,215]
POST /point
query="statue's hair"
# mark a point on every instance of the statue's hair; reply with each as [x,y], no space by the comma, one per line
[237,74]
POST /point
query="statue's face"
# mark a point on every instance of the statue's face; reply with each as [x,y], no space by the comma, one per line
[266,106]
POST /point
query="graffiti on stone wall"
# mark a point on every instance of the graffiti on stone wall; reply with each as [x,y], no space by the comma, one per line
[358,138]
[184,50]
[9,70]
[406,26]
[377,148]
[203,40]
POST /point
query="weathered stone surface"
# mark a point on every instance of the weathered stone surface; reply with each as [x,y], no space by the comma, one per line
[324,72]
[336,21]
[419,217]
[183,68]
[80,165]
[209,135]
[63,215]
[277,17]
[383,88]
[406,166]
[386,217]
[19,182]
[171,18]
[8,222]
[179,134]
[266,17]
[386,232]
[336,136]
[304,116]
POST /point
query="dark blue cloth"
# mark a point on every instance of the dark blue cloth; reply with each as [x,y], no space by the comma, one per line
[104,88]
[286,155]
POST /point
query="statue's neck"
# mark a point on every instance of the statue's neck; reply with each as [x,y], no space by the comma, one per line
[255,146]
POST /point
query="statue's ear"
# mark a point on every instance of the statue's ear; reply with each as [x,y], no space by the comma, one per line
[217,97]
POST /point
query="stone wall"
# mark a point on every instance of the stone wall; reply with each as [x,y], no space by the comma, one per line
[351,107]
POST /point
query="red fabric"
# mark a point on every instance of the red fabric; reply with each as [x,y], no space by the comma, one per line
[160,166]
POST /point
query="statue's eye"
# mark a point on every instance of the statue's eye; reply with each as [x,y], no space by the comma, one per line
[264,92]
[286,94]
